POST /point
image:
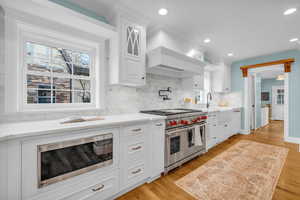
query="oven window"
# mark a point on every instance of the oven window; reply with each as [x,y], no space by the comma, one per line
[175,145]
[191,138]
[64,162]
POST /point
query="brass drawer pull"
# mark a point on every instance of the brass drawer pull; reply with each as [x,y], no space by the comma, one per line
[98,188]
[136,171]
[136,130]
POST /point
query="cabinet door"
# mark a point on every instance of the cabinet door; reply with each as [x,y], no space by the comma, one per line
[236,122]
[133,53]
[221,79]
[157,148]
[227,79]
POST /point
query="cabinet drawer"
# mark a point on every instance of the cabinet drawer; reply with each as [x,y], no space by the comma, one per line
[135,174]
[132,132]
[102,190]
[136,152]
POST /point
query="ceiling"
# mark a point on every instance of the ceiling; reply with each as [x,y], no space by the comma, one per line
[247,28]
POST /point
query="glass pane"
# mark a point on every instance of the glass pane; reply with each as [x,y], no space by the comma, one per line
[82,97]
[32,96]
[37,64]
[175,145]
[81,58]
[81,70]
[62,96]
[66,158]
[61,55]
[44,96]
[79,84]
[136,48]
[62,83]
[41,82]
[37,50]
[62,67]
[136,42]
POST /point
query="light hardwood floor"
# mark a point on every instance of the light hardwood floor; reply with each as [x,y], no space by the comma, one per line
[288,186]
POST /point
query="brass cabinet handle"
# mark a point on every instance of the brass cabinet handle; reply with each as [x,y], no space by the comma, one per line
[136,171]
[98,188]
[136,148]
[137,129]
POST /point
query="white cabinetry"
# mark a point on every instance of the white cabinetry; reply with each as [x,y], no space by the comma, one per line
[221,78]
[131,70]
[137,158]
[83,186]
[222,125]
[134,163]
[194,82]
[157,133]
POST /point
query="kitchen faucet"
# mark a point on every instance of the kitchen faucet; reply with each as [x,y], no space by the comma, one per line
[210,98]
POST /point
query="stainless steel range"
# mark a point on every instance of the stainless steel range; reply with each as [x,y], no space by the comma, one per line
[185,135]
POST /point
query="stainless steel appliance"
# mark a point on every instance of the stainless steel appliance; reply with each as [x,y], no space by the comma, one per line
[62,160]
[185,135]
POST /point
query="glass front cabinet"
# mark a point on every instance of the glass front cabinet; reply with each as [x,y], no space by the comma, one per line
[132,66]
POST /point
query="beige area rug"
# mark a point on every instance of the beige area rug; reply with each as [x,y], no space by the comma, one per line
[247,170]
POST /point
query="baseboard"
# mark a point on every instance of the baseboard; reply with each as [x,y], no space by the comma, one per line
[292,140]
[245,132]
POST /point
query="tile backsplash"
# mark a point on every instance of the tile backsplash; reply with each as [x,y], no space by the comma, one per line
[122,99]
[119,99]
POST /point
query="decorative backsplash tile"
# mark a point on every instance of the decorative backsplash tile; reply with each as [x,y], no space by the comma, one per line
[119,99]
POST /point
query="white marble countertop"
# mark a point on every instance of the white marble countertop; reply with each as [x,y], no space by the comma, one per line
[11,131]
[214,108]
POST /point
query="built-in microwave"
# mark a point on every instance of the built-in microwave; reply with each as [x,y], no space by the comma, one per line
[62,160]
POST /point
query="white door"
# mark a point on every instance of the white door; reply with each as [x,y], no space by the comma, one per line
[277,102]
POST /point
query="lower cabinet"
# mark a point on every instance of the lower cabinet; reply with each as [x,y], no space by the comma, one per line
[95,164]
[157,133]
[222,125]
[135,151]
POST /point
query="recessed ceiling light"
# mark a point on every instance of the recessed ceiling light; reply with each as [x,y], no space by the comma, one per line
[294,40]
[290,11]
[207,40]
[162,11]
[230,54]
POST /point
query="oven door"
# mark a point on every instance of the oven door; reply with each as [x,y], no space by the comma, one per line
[184,142]
[194,139]
[175,146]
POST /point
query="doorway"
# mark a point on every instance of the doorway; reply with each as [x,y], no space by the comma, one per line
[255,70]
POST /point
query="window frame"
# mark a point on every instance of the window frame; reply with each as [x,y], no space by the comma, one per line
[93,49]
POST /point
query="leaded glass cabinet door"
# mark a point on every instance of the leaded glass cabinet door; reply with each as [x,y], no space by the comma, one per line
[134,53]
[133,40]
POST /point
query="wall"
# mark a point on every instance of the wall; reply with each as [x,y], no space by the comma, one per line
[237,84]
[266,86]
[79,9]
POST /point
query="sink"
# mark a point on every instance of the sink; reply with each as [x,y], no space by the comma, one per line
[71,120]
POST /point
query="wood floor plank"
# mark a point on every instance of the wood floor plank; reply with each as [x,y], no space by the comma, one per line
[288,187]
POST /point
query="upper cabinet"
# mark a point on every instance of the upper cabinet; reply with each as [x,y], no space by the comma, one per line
[220,78]
[131,70]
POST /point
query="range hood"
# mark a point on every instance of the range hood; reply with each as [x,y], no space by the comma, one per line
[164,61]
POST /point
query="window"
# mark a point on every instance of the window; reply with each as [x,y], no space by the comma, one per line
[202,94]
[56,75]
[280,96]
